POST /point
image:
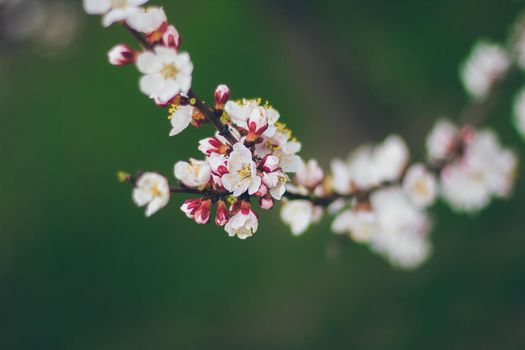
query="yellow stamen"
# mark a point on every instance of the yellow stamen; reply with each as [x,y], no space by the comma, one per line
[421,188]
[169,71]
[119,3]
[245,172]
[155,192]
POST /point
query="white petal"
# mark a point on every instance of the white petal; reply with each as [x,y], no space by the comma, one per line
[229,181]
[148,63]
[154,206]
[169,90]
[141,197]
[137,2]
[96,7]
[241,187]
[117,15]
[254,185]
[180,120]
[147,20]
[151,84]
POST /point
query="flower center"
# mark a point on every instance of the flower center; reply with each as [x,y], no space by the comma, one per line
[119,3]
[155,192]
[169,71]
[421,188]
[245,172]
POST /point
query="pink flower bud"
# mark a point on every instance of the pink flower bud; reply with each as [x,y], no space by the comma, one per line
[270,164]
[309,174]
[218,164]
[241,206]
[222,215]
[267,203]
[121,55]
[222,95]
[202,215]
[212,145]
[190,206]
[257,124]
[262,191]
[171,38]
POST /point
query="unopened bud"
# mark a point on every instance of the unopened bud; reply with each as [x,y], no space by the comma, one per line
[171,38]
[270,164]
[267,203]
[121,55]
[122,176]
[190,207]
[262,191]
[222,95]
[202,215]
[222,215]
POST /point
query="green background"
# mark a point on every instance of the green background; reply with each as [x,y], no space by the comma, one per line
[82,268]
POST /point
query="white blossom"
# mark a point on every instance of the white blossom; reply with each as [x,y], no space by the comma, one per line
[420,185]
[299,215]
[166,73]
[276,183]
[282,146]
[171,38]
[370,166]
[242,172]
[519,111]
[442,140]
[361,225]
[309,174]
[196,173]
[392,226]
[121,55]
[486,170]
[403,237]
[147,20]
[180,119]
[390,158]
[486,65]
[113,10]
[151,189]
[243,224]
[250,116]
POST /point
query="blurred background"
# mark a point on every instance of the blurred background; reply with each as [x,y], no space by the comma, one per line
[82,268]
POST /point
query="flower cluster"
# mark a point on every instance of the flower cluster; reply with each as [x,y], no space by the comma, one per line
[482,169]
[486,65]
[377,195]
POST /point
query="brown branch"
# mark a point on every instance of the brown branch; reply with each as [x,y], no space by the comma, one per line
[139,37]
[213,116]
[474,113]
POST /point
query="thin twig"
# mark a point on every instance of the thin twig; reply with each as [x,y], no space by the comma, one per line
[212,115]
[139,37]
[474,113]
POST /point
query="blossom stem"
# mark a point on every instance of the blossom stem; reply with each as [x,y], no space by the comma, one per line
[476,112]
[139,37]
[212,115]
